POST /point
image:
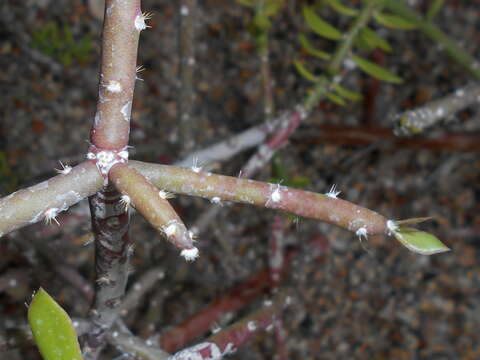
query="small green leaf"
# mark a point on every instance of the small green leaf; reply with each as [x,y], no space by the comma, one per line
[336,99]
[376,71]
[373,41]
[413,221]
[347,94]
[305,72]
[434,9]
[394,21]
[319,26]
[342,9]
[52,329]
[311,50]
[420,242]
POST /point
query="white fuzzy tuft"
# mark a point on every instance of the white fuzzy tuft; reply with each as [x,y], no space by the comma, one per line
[190,254]
[215,200]
[195,166]
[51,215]
[276,195]
[140,23]
[392,226]
[64,170]
[333,193]
[362,232]
[165,194]
[125,201]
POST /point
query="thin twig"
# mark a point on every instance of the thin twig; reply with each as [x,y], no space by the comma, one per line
[186,95]
[417,120]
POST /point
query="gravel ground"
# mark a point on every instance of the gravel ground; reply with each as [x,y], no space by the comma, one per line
[357,300]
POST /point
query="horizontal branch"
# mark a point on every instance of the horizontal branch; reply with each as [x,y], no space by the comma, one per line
[302,203]
[48,198]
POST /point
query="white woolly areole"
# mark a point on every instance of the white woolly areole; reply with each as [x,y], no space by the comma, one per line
[215,200]
[362,232]
[276,196]
[140,23]
[105,159]
[114,86]
[392,226]
[190,254]
[51,214]
[333,193]
[125,201]
[252,326]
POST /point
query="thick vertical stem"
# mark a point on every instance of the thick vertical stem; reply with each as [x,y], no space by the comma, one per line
[122,25]
[112,249]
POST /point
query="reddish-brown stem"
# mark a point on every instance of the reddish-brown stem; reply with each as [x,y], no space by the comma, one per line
[110,224]
[230,339]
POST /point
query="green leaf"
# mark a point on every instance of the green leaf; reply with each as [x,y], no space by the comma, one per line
[342,9]
[308,47]
[394,21]
[347,94]
[434,9]
[319,26]
[376,71]
[420,242]
[305,72]
[372,40]
[52,329]
[336,99]
[413,221]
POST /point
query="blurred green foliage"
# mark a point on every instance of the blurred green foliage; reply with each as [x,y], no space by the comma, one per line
[59,43]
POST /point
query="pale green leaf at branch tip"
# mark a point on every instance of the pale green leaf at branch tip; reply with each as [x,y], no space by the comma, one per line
[305,72]
[420,242]
[339,7]
[52,329]
[394,21]
[310,49]
[320,26]
[376,71]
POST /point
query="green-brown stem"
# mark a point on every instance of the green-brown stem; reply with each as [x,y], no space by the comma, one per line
[302,203]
